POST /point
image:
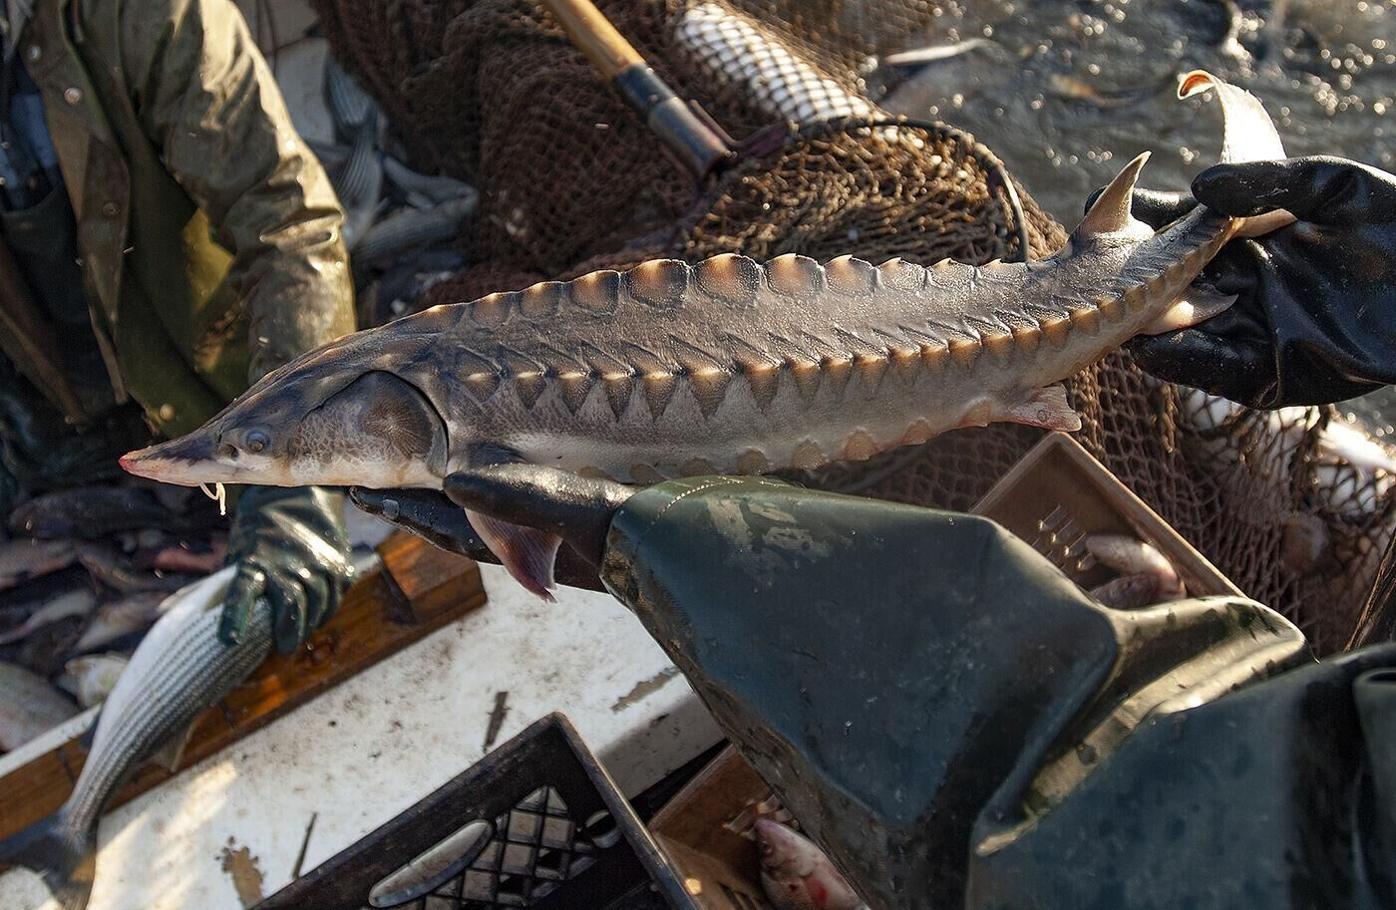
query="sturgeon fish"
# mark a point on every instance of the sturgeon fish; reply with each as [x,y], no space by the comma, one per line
[727,366]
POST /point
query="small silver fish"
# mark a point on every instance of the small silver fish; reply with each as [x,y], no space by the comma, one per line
[120,618]
[95,511]
[1132,557]
[435,188]
[66,605]
[934,54]
[350,104]
[92,677]
[108,569]
[23,560]
[29,706]
[360,184]
[1350,474]
[796,875]
[179,670]
[412,228]
[1342,442]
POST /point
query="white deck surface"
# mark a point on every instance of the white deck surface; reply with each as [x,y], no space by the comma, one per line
[366,750]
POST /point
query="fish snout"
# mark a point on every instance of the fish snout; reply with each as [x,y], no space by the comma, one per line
[189,460]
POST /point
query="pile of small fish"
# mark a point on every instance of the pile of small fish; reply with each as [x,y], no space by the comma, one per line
[400,225]
[82,575]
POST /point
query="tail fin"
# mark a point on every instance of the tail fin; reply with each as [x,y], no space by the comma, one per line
[1248,134]
[66,860]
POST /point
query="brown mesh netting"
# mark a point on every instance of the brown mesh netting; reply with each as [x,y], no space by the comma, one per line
[492,92]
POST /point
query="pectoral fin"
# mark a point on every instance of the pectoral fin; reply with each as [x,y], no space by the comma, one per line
[1198,305]
[169,754]
[527,553]
[1046,408]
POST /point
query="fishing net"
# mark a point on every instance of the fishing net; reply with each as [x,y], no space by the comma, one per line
[492,92]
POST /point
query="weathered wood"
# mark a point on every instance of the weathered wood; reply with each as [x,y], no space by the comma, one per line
[418,589]
[695,830]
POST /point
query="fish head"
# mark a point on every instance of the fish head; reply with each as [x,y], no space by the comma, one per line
[796,875]
[784,853]
[340,416]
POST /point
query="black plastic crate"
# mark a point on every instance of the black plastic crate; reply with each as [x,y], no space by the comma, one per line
[536,823]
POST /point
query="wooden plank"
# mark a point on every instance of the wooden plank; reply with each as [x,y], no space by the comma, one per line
[694,829]
[418,589]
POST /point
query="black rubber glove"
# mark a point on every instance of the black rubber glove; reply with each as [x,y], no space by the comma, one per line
[579,509]
[289,546]
[1314,320]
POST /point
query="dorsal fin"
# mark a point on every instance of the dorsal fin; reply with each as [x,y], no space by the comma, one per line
[1110,212]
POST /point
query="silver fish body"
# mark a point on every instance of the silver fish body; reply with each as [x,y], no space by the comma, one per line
[109,569]
[23,560]
[350,105]
[29,706]
[119,619]
[360,184]
[90,679]
[179,669]
[412,228]
[93,512]
[67,605]
[735,50]
[435,188]
[1131,557]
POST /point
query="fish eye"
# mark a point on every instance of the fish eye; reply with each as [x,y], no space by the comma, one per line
[256,440]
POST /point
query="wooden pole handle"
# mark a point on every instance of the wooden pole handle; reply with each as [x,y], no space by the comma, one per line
[595,36]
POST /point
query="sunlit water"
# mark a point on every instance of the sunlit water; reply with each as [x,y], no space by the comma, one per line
[1067,92]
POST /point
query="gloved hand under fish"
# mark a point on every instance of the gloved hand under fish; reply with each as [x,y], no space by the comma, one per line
[727,366]
[578,509]
[1009,720]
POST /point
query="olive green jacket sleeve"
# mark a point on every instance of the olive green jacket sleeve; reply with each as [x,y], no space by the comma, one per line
[207,100]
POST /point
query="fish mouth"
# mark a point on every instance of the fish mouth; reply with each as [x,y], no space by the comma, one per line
[188,461]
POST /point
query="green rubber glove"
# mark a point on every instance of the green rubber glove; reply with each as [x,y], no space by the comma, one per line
[289,546]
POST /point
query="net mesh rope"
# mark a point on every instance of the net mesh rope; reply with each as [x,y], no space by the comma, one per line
[492,92]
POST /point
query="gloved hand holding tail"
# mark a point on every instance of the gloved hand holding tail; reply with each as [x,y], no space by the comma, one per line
[1313,321]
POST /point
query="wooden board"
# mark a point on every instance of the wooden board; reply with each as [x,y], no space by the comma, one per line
[719,867]
[418,589]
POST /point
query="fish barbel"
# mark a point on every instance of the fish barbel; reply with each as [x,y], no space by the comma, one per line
[727,366]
